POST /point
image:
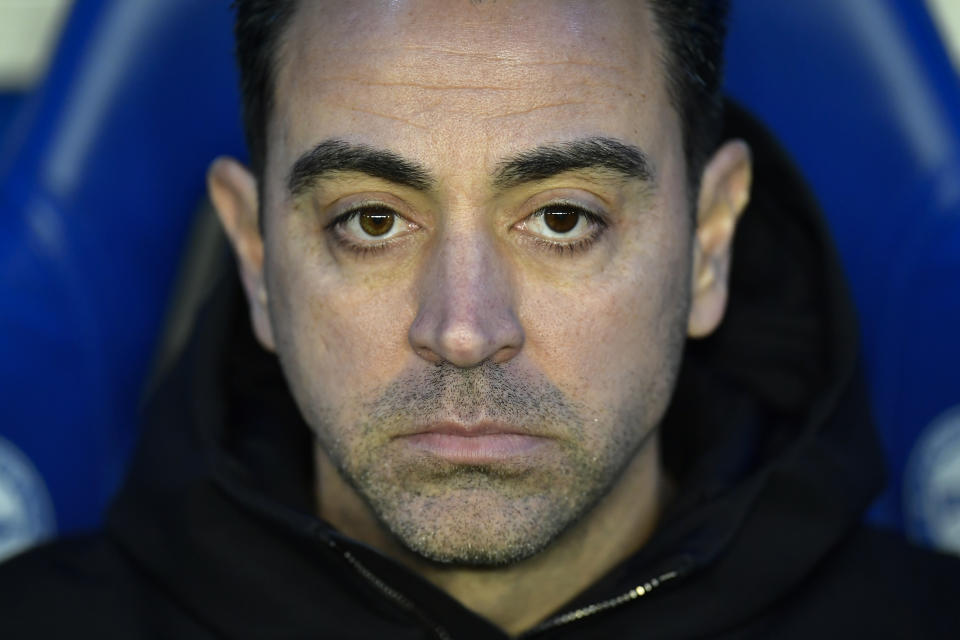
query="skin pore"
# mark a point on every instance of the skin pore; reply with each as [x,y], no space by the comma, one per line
[476,223]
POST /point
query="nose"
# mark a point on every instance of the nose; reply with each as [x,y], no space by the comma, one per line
[466,313]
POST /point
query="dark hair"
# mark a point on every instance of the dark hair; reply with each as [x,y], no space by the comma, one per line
[692,33]
[257,31]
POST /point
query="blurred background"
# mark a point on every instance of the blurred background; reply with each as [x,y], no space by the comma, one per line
[110,111]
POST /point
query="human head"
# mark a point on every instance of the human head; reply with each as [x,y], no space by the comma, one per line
[475,223]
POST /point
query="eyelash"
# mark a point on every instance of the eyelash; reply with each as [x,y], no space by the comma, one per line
[334,228]
[560,248]
[579,246]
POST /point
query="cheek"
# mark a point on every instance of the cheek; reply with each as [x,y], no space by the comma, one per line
[347,334]
[616,333]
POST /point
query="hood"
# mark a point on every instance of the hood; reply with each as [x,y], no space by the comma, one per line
[768,438]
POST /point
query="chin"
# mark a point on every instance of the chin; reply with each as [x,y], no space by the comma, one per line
[479,519]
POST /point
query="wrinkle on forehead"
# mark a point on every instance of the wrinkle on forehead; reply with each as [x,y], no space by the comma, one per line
[518,85]
[514,59]
[538,107]
[423,99]
[420,120]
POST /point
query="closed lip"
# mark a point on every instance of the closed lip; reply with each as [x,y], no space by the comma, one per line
[480,443]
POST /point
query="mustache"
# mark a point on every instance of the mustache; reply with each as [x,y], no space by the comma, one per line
[488,391]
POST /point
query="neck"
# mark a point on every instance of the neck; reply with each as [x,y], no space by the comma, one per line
[514,597]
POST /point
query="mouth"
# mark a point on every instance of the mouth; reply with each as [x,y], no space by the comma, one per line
[478,444]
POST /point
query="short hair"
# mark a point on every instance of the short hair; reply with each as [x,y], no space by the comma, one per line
[691,32]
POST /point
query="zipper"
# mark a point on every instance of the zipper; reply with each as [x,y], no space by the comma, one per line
[558,621]
[605,605]
[392,594]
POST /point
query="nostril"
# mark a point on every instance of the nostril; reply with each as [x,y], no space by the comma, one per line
[504,354]
[429,355]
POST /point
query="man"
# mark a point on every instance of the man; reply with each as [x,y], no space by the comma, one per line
[477,237]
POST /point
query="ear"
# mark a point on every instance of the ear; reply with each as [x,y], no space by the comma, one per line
[724,193]
[233,191]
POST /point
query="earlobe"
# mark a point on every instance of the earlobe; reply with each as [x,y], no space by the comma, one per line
[233,192]
[724,194]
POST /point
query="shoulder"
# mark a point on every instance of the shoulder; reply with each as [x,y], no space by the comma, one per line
[878,585]
[83,586]
[866,542]
[920,578]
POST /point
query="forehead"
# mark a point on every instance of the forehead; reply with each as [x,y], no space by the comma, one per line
[466,80]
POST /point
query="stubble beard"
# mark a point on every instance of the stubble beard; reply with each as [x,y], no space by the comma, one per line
[487,514]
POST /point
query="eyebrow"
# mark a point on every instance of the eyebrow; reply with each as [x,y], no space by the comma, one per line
[605,154]
[338,156]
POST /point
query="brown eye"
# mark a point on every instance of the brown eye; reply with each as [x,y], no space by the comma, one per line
[561,221]
[376,222]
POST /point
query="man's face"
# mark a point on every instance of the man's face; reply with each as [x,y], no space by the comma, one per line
[479,283]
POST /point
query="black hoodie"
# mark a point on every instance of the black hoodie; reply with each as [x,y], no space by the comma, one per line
[768,438]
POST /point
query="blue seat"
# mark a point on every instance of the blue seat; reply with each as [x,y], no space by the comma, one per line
[102,175]
[862,94]
[98,183]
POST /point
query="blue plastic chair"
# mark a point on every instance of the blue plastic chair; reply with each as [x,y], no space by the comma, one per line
[863,95]
[99,178]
